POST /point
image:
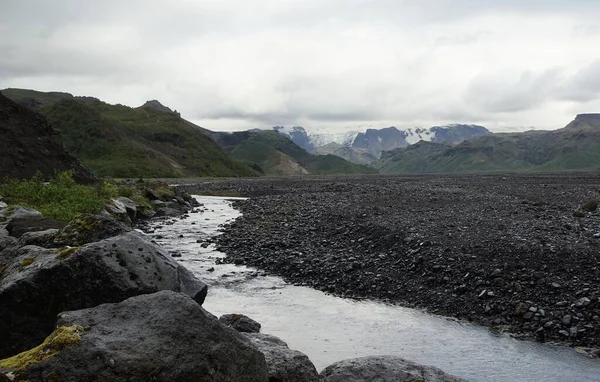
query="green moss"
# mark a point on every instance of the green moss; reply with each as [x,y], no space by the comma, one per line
[61,338]
[27,261]
[65,253]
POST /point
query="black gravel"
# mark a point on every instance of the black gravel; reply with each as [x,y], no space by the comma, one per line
[516,253]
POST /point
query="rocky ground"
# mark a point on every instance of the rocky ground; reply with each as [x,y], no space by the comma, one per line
[517,253]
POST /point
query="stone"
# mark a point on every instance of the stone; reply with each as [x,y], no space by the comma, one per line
[590,206]
[566,320]
[240,323]
[18,212]
[19,226]
[163,336]
[88,228]
[383,369]
[582,302]
[130,206]
[39,238]
[283,363]
[70,278]
[521,308]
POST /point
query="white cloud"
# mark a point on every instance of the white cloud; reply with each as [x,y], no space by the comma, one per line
[333,64]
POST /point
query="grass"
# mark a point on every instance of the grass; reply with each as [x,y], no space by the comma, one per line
[60,199]
[63,199]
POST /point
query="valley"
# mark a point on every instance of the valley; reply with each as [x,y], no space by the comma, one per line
[515,253]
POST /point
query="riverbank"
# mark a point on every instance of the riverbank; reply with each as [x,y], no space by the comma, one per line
[516,253]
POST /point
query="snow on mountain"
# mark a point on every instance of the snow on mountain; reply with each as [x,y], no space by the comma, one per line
[342,139]
[414,135]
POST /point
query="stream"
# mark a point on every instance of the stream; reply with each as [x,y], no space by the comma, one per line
[330,329]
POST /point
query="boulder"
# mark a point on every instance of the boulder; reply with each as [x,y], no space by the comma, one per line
[240,323]
[129,205]
[39,283]
[18,212]
[163,336]
[284,364]
[5,239]
[118,210]
[384,369]
[40,238]
[19,226]
[88,228]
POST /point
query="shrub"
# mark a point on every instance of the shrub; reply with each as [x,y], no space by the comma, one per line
[62,198]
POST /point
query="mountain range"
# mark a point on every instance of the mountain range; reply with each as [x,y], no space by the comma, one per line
[574,147]
[154,141]
[367,147]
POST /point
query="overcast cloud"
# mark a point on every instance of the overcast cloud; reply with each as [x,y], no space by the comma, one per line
[322,64]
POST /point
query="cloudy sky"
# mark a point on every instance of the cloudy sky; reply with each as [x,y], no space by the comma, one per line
[323,64]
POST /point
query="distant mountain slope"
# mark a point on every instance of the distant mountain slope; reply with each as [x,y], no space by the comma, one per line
[29,143]
[119,141]
[275,154]
[366,147]
[575,147]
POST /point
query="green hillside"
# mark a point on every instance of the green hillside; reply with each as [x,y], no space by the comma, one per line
[560,150]
[278,155]
[119,141]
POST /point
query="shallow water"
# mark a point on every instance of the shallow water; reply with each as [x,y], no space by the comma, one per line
[329,329]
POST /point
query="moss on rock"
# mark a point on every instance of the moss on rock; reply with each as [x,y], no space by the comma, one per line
[61,337]
[65,252]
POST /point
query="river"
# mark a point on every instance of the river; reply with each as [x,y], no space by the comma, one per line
[329,329]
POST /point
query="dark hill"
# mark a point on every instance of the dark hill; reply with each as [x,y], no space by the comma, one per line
[29,143]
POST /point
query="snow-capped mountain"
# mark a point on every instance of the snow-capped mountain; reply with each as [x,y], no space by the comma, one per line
[366,147]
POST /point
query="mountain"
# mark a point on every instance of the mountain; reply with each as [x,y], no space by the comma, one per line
[274,154]
[119,141]
[575,147]
[366,147]
[29,143]
[298,135]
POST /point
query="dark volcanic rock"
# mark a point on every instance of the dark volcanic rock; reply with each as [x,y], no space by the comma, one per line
[240,323]
[164,336]
[30,144]
[471,247]
[88,228]
[384,369]
[38,283]
[19,226]
[284,364]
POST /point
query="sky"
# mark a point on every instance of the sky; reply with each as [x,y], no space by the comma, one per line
[327,65]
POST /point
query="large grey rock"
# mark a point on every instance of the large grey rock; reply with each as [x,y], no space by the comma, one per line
[88,228]
[19,226]
[43,238]
[284,363]
[130,207]
[164,336]
[5,239]
[19,212]
[240,323]
[39,283]
[383,369]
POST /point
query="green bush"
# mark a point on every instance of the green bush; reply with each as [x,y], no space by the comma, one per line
[62,198]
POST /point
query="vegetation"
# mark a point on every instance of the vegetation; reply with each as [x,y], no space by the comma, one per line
[61,198]
[123,142]
[559,150]
[61,337]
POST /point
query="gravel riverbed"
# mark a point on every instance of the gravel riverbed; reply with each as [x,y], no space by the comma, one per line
[516,253]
